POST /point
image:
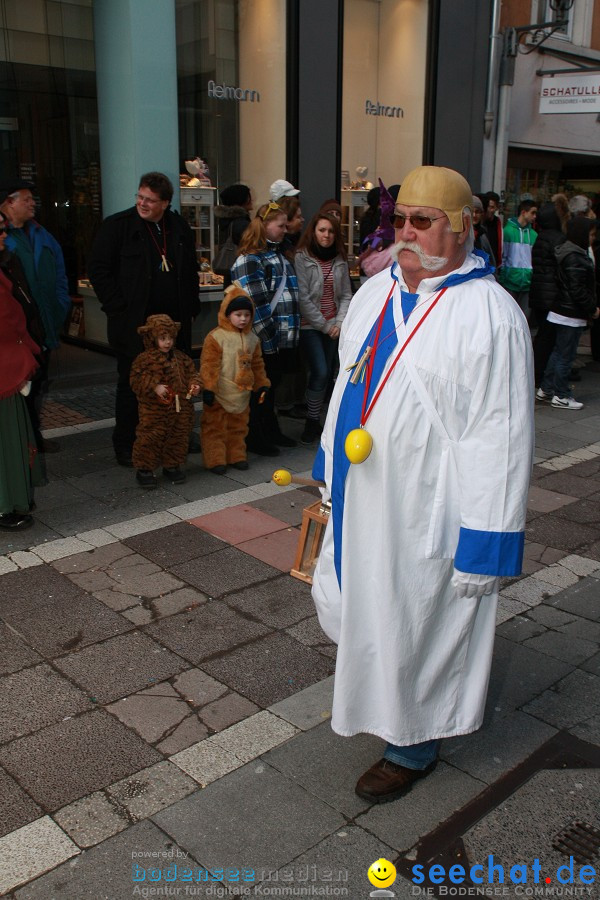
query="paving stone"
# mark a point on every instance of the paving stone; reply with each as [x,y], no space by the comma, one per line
[586,512]
[198,688]
[309,632]
[224,571]
[239,524]
[571,701]
[545,501]
[48,764]
[203,632]
[177,601]
[269,669]
[557,575]
[153,713]
[16,808]
[547,615]
[175,544]
[336,864]
[583,599]
[498,747]
[150,790]
[24,559]
[277,549]
[529,591]
[120,666]
[431,801]
[518,674]
[206,762]
[508,608]
[529,566]
[287,507]
[562,646]
[550,440]
[97,559]
[7,565]
[141,525]
[138,615]
[14,653]
[188,732]
[328,765]
[551,531]
[34,698]
[32,850]
[278,602]
[254,736]
[309,707]
[580,565]
[590,467]
[592,665]
[97,537]
[581,628]
[104,872]
[209,822]
[52,614]
[588,731]
[520,628]
[60,548]
[569,484]
[226,711]
[92,819]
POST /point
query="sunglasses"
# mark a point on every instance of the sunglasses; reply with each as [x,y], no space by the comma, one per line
[272,207]
[421,223]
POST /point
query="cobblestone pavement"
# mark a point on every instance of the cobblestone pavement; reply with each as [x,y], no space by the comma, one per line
[165,690]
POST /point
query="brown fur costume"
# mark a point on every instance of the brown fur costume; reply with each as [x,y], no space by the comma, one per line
[162,434]
[231,366]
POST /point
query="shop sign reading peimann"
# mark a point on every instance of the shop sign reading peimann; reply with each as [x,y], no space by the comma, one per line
[229,92]
[570,94]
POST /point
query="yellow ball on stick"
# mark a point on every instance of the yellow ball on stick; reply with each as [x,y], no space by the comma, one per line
[282,477]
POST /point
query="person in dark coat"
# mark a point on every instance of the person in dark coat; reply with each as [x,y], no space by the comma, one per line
[571,313]
[143,263]
[545,290]
[233,213]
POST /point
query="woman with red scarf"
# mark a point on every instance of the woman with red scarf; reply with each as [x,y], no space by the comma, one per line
[19,468]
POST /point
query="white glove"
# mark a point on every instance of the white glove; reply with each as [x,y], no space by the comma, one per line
[469,584]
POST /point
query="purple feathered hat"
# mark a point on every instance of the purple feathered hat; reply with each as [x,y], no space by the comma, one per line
[384,233]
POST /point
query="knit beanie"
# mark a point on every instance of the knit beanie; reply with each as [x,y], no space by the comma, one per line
[330,205]
[578,231]
[235,195]
[238,304]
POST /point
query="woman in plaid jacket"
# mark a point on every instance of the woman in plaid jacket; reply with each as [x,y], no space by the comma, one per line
[264,272]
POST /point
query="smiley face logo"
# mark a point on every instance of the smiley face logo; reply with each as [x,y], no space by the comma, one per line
[382,873]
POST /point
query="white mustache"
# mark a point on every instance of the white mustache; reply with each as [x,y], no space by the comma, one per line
[429,263]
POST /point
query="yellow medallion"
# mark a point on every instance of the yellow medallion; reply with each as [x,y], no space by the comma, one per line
[358,445]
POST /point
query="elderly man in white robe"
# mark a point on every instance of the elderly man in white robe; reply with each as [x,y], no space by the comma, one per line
[426,455]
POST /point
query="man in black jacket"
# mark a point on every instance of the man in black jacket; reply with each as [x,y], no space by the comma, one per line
[545,290]
[143,263]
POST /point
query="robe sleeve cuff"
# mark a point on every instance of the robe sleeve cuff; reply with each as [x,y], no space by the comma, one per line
[318,469]
[490,552]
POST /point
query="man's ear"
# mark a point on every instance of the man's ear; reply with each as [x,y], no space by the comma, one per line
[462,237]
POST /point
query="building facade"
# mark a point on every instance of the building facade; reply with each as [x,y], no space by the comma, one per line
[95,92]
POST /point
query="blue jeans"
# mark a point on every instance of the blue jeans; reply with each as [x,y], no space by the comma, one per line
[558,370]
[414,756]
[320,352]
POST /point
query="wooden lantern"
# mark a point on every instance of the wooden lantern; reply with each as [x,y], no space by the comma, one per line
[314,521]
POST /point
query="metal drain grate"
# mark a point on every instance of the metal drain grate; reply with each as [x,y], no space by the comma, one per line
[579,840]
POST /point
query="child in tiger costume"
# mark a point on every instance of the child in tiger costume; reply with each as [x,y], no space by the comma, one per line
[165,382]
[231,366]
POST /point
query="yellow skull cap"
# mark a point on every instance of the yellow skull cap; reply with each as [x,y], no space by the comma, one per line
[440,188]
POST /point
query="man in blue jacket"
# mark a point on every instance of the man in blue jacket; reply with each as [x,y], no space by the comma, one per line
[42,261]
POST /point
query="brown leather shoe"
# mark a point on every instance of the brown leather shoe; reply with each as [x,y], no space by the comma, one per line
[387,781]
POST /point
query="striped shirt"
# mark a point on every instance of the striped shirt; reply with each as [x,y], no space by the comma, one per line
[328,307]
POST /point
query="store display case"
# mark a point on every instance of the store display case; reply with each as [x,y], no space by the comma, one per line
[197,205]
[354,203]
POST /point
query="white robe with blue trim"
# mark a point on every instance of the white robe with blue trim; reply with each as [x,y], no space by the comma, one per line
[447,478]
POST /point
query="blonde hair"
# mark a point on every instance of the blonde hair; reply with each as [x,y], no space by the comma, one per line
[254,238]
